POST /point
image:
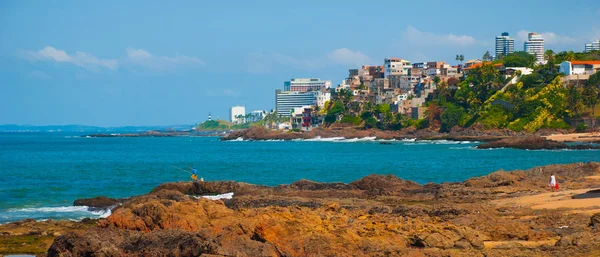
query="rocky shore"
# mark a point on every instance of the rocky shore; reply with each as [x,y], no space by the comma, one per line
[502,214]
[459,134]
[533,143]
[503,138]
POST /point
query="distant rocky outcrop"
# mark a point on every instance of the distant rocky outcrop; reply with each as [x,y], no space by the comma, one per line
[532,143]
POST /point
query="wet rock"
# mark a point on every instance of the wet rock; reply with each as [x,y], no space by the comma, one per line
[100,202]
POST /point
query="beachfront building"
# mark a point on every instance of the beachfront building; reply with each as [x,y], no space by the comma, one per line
[306,84]
[594,46]
[535,46]
[505,45]
[579,67]
[396,66]
[237,114]
[286,101]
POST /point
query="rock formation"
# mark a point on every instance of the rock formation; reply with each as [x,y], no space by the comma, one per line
[374,216]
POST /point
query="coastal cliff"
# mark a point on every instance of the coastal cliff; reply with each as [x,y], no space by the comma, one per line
[502,214]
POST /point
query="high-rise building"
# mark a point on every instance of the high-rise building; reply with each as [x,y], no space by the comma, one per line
[594,46]
[306,84]
[235,113]
[535,46]
[285,102]
[505,45]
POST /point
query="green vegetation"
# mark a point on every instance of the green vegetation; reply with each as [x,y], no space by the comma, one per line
[25,244]
[519,59]
[214,125]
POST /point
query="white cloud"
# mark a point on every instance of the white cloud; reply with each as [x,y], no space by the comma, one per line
[268,62]
[143,58]
[414,35]
[135,57]
[550,38]
[80,59]
[347,57]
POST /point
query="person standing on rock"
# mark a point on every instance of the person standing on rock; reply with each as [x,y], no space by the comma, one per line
[194,174]
[553,183]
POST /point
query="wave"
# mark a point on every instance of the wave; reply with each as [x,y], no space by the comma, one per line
[326,139]
[216,197]
[42,211]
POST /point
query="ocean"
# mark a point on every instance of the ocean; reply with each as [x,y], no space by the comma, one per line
[41,174]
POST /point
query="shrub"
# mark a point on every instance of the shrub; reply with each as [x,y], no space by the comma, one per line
[451,117]
[351,119]
[580,127]
[518,124]
[421,124]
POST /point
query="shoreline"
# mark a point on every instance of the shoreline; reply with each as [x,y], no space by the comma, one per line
[446,218]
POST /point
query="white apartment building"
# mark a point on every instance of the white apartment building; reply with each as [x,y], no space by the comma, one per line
[285,102]
[396,66]
[594,46]
[505,45]
[535,46]
[235,111]
[306,84]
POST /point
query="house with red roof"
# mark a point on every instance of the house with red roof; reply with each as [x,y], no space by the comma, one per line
[579,67]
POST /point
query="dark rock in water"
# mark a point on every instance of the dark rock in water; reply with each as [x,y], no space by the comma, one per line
[99,202]
[532,143]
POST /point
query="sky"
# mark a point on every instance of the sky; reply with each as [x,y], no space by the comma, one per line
[118,63]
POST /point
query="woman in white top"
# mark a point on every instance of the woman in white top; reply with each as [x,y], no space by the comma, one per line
[553,182]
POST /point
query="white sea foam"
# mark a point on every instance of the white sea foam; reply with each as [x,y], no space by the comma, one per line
[238,139]
[101,213]
[327,139]
[216,197]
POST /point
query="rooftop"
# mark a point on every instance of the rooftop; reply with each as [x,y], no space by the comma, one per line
[585,62]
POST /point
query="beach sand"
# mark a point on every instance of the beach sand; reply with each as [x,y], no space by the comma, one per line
[575,137]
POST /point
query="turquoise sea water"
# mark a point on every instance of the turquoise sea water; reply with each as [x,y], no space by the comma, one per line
[41,174]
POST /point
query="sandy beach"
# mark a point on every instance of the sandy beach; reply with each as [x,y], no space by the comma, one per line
[575,137]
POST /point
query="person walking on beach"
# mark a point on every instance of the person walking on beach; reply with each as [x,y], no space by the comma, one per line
[553,183]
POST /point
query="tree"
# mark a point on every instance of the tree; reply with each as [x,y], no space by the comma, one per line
[487,57]
[549,55]
[519,59]
[590,94]
[436,80]
[574,101]
[451,117]
[460,58]
[433,114]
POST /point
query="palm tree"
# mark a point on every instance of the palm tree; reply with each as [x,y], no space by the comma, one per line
[487,56]
[590,94]
[570,56]
[462,58]
[549,55]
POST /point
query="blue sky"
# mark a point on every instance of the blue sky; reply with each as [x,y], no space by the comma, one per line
[113,63]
